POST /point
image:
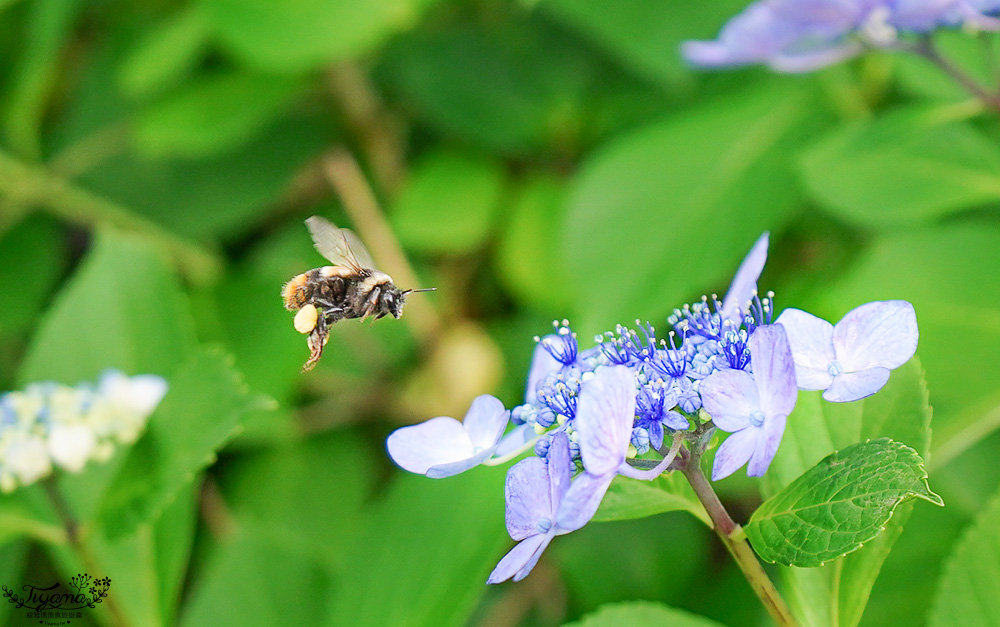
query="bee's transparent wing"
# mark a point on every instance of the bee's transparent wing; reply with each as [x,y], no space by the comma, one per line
[340,246]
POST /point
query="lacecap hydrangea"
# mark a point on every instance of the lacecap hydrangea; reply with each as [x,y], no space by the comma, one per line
[50,424]
[805,35]
[628,404]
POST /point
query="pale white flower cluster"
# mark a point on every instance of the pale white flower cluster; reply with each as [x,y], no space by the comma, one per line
[49,423]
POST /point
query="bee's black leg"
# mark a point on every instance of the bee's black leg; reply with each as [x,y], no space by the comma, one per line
[371,303]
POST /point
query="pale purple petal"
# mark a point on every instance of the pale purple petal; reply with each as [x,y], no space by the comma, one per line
[734,452]
[485,421]
[559,469]
[767,445]
[581,501]
[439,440]
[450,469]
[810,338]
[882,333]
[521,559]
[773,370]
[542,365]
[604,416]
[744,284]
[729,397]
[852,386]
[528,497]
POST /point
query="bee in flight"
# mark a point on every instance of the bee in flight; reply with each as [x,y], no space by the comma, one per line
[350,288]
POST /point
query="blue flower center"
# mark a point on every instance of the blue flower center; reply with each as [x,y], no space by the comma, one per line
[757,418]
[834,368]
[562,345]
[543,525]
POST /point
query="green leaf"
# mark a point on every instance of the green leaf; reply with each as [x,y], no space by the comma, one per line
[204,408]
[122,309]
[165,54]
[449,203]
[526,260]
[839,504]
[445,535]
[913,165]
[935,268]
[212,114]
[284,587]
[838,593]
[642,613]
[632,498]
[32,260]
[967,591]
[25,100]
[645,35]
[307,34]
[678,180]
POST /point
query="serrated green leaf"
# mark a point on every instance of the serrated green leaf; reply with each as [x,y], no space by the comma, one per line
[913,165]
[122,309]
[632,498]
[449,203]
[837,594]
[642,613]
[212,115]
[679,178]
[204,408]
[967,591]
[839,504]
[446,535]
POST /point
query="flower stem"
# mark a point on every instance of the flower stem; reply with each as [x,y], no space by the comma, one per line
[925,48]
[735,541]
[76,542]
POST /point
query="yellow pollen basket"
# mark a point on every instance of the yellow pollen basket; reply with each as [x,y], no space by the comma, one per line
[305,318]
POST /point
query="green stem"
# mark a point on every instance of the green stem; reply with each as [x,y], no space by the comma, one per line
[77,544]
[31,185]
[925,48]
[735,541]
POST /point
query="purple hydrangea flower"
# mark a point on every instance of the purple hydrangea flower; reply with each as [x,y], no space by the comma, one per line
[851,360]
[753,408]
[443,446]
[804,35]
[744,286]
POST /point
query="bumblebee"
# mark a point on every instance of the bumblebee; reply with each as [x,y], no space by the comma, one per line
[350,288]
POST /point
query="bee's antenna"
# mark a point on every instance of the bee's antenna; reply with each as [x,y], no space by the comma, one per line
[424,289]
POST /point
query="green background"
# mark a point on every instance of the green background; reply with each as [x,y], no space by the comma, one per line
[532,161]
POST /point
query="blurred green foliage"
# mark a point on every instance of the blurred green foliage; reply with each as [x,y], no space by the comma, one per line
[532,160]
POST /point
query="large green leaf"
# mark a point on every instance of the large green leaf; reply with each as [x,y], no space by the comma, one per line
[967,592]
[642,613]
[645,35]
[526,261]
[449,203]
[718,174]
[204,408]
[912,165]
[306,34]
[839,504]
[165,53]
[32,260]
[632,498]
[122,309]
[444,535]
[212,114]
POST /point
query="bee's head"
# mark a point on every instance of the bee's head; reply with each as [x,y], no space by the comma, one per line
[392,301]
[395,297]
